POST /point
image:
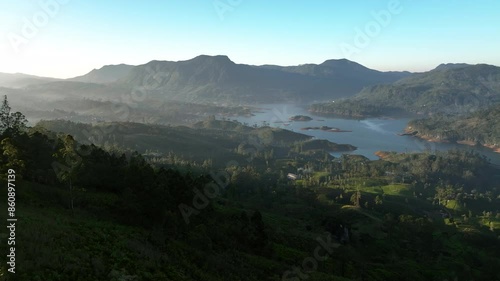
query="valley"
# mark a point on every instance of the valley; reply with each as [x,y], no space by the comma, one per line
[182,170]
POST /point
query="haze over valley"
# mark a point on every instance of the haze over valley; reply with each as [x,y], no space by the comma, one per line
[250,140]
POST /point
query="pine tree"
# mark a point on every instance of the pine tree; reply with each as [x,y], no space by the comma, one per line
[11,123]
[5,119]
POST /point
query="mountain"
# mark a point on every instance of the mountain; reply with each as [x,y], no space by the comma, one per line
[19,80]
[217,78]
[447,66]
[106,74]
[345,69]
[450,89]
[214,79]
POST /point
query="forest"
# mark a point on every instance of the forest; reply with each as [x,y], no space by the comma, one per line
[353,108]
[96,202]
[448,90]
[477,128]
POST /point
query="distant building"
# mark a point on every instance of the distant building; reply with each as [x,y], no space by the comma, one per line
[291,176]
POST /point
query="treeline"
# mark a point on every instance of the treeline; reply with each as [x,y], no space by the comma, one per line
[114,216]
[350,108]
[448,91]
[55,172]
[481,127]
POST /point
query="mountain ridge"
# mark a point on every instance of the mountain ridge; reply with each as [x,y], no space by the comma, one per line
[20,80]
[209,78]
[105,74]
[451,89]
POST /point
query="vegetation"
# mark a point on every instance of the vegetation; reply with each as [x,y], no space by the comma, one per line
[90,213]
[300,118]
[166,90]
[478,128]
[11,123]
[356,108]
[450,90]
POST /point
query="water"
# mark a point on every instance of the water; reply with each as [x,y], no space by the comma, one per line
[369,135]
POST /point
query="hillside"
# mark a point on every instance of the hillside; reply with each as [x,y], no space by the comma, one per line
[91,214]
[449,89]
[349,71]
[217,140]
[19,80]
[217,79]
[478,128]
[106,74]
[207,78]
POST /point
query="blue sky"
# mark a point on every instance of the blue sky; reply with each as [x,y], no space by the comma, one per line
[72,37]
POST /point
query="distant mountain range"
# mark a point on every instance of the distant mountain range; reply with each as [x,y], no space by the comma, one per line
[214,79]
[217,78]
[450,88]
[357,90]
[19,80]
[106,74]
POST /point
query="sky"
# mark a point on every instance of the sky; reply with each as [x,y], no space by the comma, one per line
[67,38]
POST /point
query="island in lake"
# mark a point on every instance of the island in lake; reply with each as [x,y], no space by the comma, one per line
[408,133]
[300,118]
[314,145]
[326,128]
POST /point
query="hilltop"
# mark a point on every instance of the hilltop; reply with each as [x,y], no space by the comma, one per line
[452,89]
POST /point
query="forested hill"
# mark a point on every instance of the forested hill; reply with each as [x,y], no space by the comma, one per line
[213,80]
[446,89]
[273,211]
[478,128]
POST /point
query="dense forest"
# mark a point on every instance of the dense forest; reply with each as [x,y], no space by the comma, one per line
[356,108]
[478,128]
[267,206]
[447,90]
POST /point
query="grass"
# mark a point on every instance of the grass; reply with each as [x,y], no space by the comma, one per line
[94,245]
[453,205]
[397,189]
[493,223]
[372,189]
[320,175]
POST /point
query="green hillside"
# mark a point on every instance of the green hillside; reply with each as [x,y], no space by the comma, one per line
[88,213]
[459,89]
[478,128]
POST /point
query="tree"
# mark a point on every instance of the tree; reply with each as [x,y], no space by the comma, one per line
[66,169]
[355,198]
[12,155]
[12,123]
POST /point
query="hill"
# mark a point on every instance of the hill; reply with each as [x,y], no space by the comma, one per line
[106,74]
[19,80]
[218,140]
[217,79]
[478,128]
[449,89]
[346,70]
[125,216]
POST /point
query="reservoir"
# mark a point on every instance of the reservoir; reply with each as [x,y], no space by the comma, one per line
[368,135]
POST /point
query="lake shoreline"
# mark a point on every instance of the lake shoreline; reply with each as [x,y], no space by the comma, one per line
[492,147]
[368,135]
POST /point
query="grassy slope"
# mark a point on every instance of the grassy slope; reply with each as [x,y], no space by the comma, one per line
[55,244]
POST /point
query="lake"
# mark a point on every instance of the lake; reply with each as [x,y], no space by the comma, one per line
[368,135]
